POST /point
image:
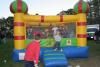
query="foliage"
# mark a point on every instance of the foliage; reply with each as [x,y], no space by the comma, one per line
[6,22]
[6,26]
[70,12]
[95,2]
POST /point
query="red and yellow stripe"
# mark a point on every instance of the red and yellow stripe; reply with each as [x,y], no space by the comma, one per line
[50,19]
[81,30]
[19,31]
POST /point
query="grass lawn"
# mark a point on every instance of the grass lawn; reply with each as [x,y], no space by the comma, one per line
[92,61]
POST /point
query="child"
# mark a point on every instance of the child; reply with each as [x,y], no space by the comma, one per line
[57,38]
[55,29]
[32,53]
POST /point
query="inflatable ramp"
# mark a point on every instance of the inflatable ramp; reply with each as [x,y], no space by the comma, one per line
[54,59]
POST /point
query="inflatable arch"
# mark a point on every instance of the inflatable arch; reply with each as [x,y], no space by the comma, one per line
[21,18]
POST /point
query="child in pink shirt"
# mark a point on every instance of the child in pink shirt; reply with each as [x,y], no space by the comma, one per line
[32,53]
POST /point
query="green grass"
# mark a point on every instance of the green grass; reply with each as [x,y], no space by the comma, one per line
[94,48]
[6,53]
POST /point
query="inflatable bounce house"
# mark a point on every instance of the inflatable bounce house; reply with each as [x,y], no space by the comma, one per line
[72,47]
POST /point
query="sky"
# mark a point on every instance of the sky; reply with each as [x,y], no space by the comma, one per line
[42,7]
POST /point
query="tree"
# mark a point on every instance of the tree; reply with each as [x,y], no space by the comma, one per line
[96,4]
[68,12]
[6,26]
[10,22]
[94,14]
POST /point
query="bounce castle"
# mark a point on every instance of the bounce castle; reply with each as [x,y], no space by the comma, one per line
[78,46]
